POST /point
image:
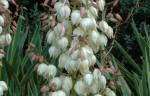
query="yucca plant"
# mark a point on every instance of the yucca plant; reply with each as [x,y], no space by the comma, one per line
[135,82]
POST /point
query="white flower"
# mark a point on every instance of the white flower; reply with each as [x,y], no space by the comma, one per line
[96,74]
[1,91]
[67,84]
[4,3]
[88,24]
[4,85]
[59,93]
[51,71]
[92,60]
[109,92]
[103,81]
[97,95]
[102,40]
[84,67]
[64,11]
[5,39]
[1,29]
[2,20]
[103,26]
[95,87]
[42,68]
[75,54]
[53,51]
[80,87]
[101,4]
[78,31]
[94,36]
[68,26]
[75,17]
[51,37]
[62,43]
[109,32]
[58,5]
[88,78]
[92,12]
[62,60]
[59,29]
[57,81]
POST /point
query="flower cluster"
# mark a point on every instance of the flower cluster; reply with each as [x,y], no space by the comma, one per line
[75,36]
[3,87]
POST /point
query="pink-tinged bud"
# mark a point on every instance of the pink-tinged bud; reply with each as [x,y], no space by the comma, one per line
[101,68]
[25,8]
[118,74]
[115,2]
[82,11]
[111,83]
[53,2]
[119,84]
[110,70]
[85,41]
[33,57]
[41,58]
[27,50]
[113,20]
[74,35]
[71,51]
[35,67]
[1,64]
[110,63]
[46,2]
[82,54]
[44,89]
[53,23]
[22,17]
[76,46]
[110,15]
[113,69]
[16,13]
[14,23]
[30,54]
[95,5]
[118,17]
[42,14]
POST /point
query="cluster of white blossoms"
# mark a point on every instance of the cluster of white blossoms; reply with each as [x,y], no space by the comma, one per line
[5,38]
[3,87]
[75,39]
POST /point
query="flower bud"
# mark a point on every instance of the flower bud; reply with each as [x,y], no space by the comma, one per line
[62,43]
[102,40]
[1,29]
[4,3]
[2,20]
[103,82]
[88,79]
[4,85]
[57,81]
[84,67]
[103,26]
[42,69]
[80,87]
[75,17]
[5,39]
[67,84]
[53,51]
[96,74]
[64,11]
[101,4]
[50,37]
[51,71]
